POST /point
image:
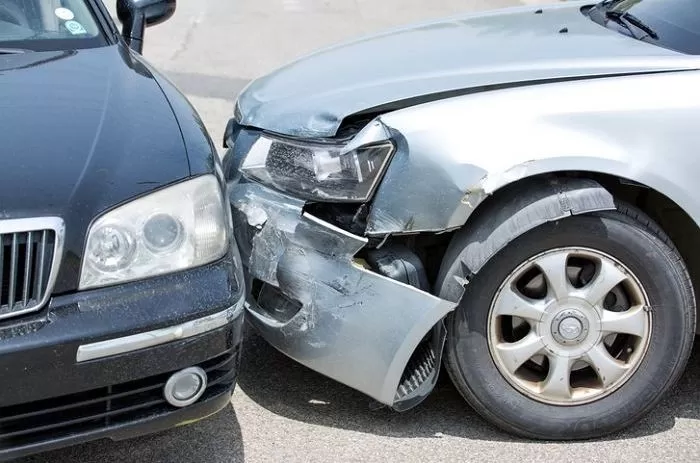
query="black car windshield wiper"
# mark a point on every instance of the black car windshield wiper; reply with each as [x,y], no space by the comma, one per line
[609,4]
[627,20]
[12,51]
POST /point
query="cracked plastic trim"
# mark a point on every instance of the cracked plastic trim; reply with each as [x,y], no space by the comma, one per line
[355,326]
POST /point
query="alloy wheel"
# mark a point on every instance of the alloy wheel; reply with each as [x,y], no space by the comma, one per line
[569,326]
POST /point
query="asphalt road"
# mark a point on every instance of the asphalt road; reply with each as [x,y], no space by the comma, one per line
[282,411]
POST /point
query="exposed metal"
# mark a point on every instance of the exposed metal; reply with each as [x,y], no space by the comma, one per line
[341,327]
[115,346]
[35,248]
[570,327]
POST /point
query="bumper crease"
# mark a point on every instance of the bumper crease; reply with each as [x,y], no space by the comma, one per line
[353,325]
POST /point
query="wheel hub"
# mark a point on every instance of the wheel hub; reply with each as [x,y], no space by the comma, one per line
[570,327]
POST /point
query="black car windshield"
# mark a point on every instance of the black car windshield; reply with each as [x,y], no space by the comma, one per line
[48,25]
[673,24]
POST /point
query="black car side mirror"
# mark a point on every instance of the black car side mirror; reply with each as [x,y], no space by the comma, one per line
[136,15]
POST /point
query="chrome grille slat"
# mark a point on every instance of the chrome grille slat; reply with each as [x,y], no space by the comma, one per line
[28,267]
[42,262]
[30,253]
[13,274]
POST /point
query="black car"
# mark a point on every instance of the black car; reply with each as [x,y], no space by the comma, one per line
[121,288]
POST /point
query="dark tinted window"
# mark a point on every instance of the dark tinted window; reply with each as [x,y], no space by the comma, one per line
[675,22]
[48,25]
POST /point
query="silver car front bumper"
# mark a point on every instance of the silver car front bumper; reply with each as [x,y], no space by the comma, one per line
[345,321]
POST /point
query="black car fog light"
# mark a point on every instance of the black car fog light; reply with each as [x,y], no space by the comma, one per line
[185,387]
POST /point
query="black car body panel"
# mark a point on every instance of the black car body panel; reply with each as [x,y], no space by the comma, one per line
[198,144]
[83,131]
[48,397]
[155,421]
[87,126]
[50,346]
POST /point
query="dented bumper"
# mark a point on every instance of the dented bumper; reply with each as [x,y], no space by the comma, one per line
[315,303]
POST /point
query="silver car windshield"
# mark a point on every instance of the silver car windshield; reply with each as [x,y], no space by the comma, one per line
[48,25]
[673,24]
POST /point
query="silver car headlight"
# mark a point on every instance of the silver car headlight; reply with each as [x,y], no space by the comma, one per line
[178,227]
[318,171]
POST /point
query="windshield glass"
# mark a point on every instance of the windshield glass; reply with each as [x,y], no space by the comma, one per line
[48,25]
[673,24]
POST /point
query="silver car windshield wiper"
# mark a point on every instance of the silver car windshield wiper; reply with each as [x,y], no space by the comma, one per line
[628,20]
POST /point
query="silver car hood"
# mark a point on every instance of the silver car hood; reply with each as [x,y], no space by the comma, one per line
[310,97]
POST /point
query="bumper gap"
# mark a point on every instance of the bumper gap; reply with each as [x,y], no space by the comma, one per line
[276,304]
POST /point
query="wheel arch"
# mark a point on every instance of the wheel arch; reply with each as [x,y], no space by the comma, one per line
[510,212]
[513,208]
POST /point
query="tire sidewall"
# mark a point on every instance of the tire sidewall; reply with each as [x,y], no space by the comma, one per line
[647,257]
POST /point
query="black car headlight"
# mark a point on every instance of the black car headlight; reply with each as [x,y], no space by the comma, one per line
[318,171]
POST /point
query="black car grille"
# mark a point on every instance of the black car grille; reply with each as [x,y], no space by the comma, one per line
[35,422]
[25,265]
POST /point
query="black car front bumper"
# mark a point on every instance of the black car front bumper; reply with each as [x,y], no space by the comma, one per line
[51,397]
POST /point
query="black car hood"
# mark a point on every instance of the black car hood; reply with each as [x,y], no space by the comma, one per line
[81,132]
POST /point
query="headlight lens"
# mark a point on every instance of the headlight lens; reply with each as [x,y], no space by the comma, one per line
[162,233]
[175,228]
[111,248]
[320,172]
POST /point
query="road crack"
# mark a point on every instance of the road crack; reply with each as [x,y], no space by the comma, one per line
[188,36]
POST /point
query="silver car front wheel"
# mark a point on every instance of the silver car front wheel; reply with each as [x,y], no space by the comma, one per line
[575,329]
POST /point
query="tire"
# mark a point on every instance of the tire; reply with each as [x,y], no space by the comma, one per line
[528,401]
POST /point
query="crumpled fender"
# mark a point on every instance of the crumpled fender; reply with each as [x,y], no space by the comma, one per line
[517,211]
[455,153]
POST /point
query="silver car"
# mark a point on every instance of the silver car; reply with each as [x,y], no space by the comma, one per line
[514,194]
